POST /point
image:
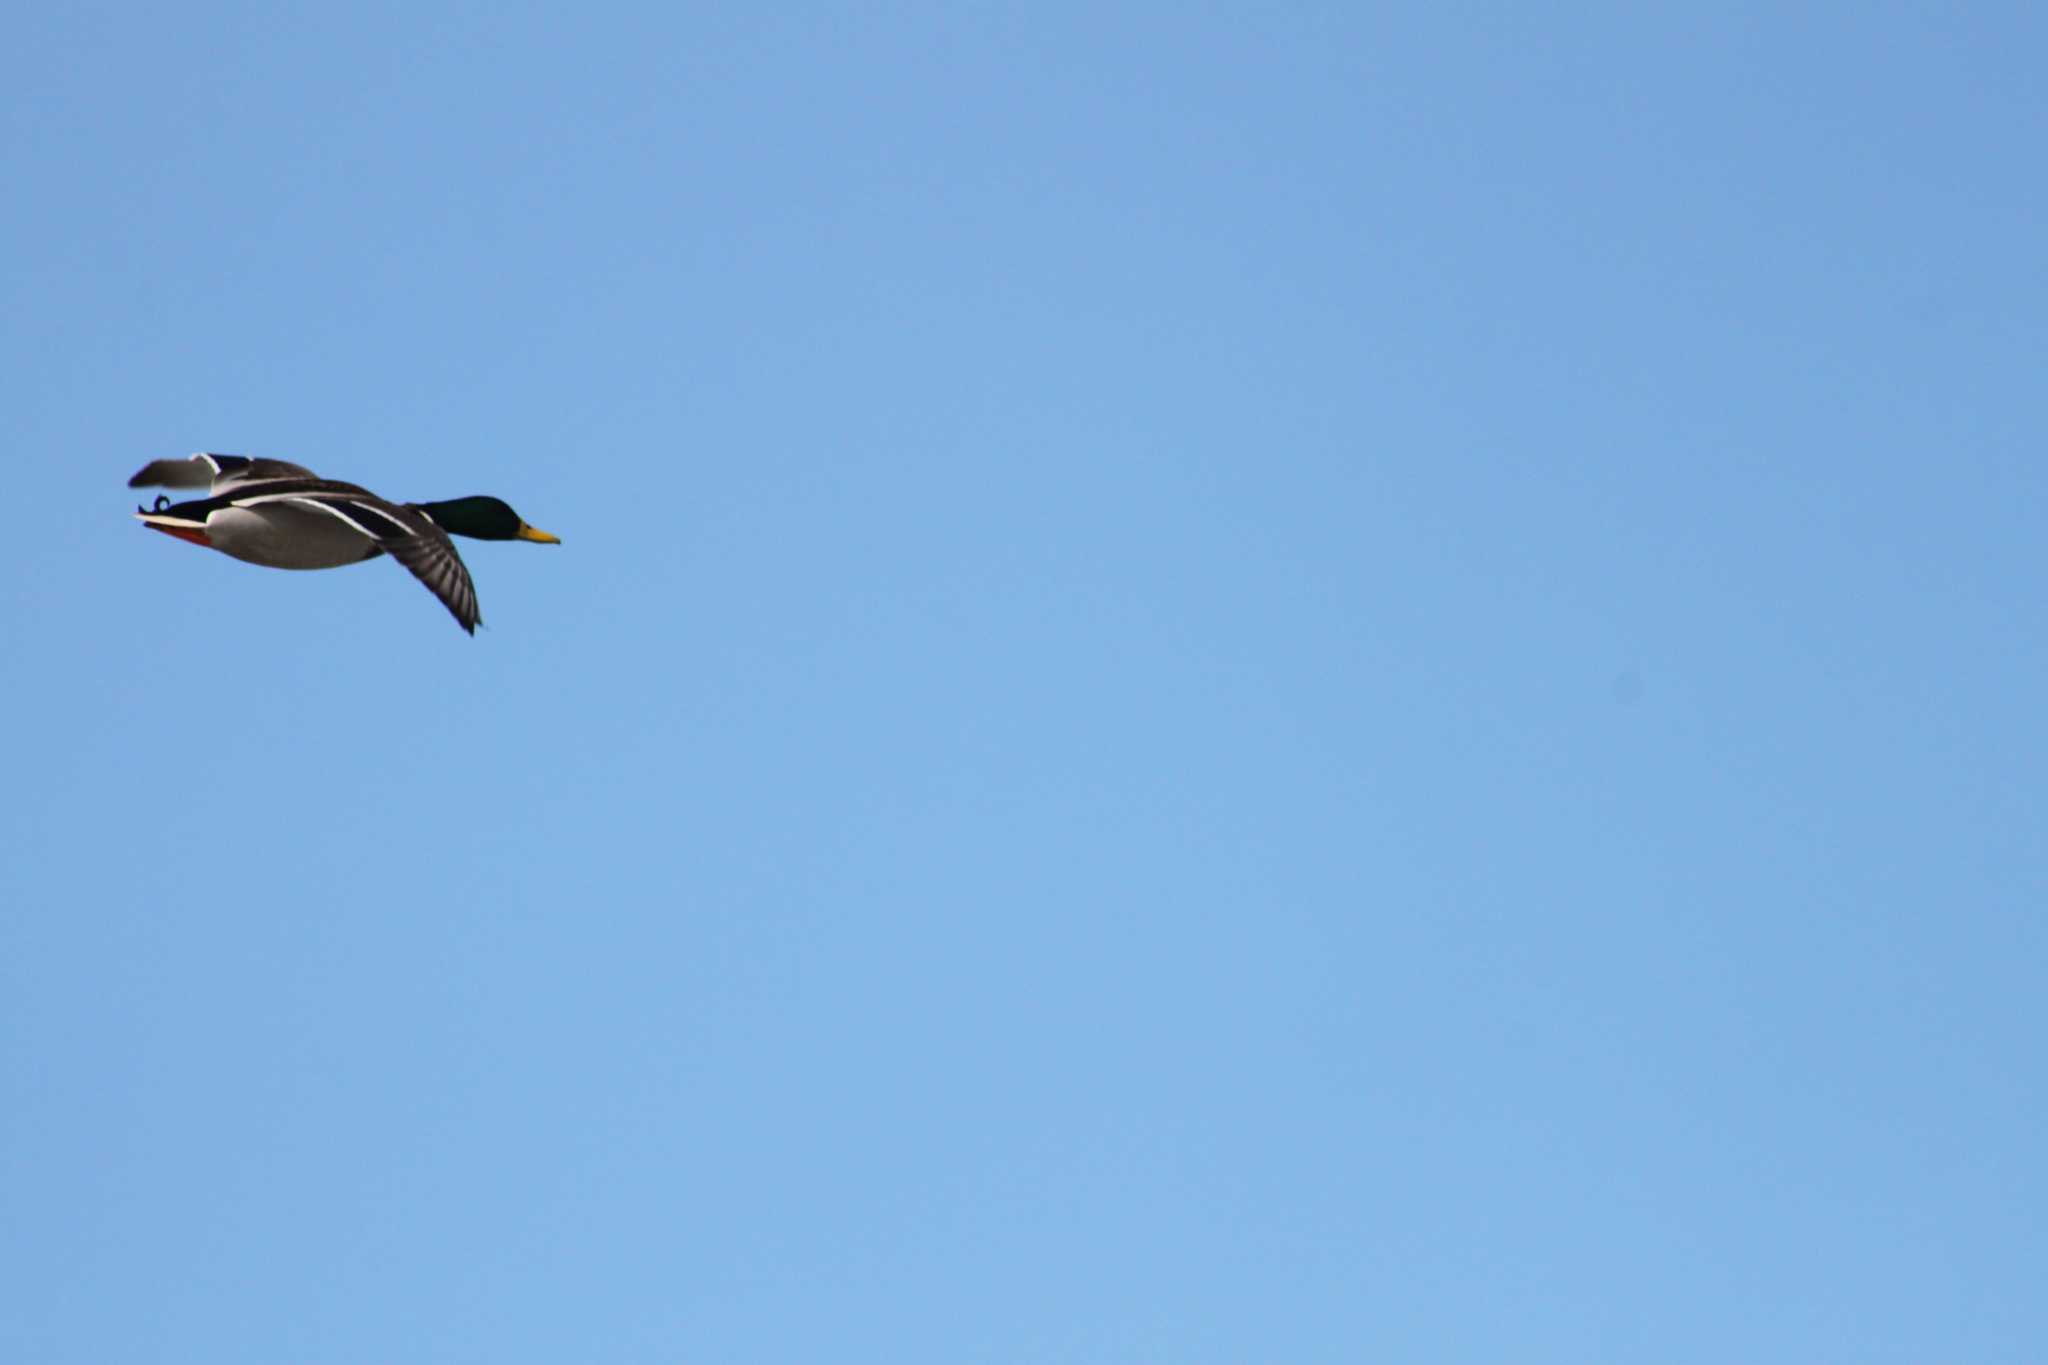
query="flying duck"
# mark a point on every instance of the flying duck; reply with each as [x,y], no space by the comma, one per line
[288,517]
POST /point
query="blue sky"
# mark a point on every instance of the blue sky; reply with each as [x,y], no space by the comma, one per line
[1307,683]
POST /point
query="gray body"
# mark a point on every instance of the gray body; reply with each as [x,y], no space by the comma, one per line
[283,536]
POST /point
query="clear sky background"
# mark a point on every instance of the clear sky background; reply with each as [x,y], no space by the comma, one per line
[1226,683]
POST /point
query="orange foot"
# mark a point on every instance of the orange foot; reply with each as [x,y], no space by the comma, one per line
[182,533]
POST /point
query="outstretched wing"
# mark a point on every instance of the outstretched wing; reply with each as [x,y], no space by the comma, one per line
[400,530]
[432,558]
[218,473]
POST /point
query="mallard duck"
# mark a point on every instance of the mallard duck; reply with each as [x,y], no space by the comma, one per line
[288,517]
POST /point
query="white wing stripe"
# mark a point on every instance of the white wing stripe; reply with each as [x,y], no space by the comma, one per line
[403,529]
[334,510]
[329,509]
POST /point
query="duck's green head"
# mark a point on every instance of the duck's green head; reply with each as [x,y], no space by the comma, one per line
[484,519]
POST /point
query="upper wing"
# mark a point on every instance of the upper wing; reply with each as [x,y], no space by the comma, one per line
[216,472]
